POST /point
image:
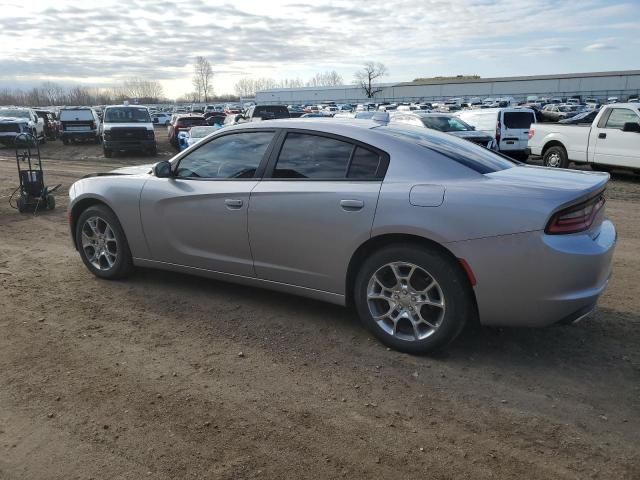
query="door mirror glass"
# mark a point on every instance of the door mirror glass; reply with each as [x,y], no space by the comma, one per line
[631,127]
[162,169]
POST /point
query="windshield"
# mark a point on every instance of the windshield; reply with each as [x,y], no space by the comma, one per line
[481,120]
[201,132]
[445,124]
[127,115]
[12,112]
[466,153]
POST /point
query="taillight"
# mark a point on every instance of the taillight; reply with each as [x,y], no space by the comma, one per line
[93,125]
[532,132]
[498,128]
[576,218]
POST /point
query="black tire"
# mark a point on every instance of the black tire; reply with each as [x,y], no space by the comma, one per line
[555,157]
[453,284]
[51,202]
[123,264]
[107,152]
[21,204]
[65,141]
[153,152]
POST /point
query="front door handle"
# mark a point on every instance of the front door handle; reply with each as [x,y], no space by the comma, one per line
[602,135]
[351,205]
[233,203]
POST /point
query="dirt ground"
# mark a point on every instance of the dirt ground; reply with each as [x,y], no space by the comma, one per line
[144,378]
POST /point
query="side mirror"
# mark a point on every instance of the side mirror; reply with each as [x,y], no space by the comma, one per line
[162,169]
[631,127]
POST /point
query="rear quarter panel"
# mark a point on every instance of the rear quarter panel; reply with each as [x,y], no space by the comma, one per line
[574,138]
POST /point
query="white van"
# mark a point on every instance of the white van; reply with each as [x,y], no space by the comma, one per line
[509,127]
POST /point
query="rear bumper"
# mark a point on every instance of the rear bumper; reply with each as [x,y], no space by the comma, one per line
[533,279]
[142,144]
[88,135]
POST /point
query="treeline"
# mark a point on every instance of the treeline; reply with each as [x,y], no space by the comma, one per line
[247,87]
[50,93]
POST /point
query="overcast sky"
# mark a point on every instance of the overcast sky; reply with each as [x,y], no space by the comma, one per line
[100,42]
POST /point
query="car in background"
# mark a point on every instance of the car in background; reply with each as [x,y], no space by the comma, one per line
[184,122]
[17,120]
[379,117]
[266,112]
[215,118]
[50,123]
[612,140]
[79,124]
[161,118]
[421,232]
[585,117]
[196,134]
[128,128]
[295,111]
[508,127]
[554,112]
[443,122]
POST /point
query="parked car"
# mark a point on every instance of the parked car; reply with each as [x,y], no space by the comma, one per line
[355,213]
[184,122]
[266,112]
[612,140]
[50,124]
[17,120]
[215,118]
[79,124]
[161,118]
[585,117]
[508,127]
[128,128]
[554,112]
[443,122]
[196,134]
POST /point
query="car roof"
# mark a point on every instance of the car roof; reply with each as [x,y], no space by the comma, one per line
[327,124]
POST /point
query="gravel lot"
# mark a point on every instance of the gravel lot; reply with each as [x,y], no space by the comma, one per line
[167,376]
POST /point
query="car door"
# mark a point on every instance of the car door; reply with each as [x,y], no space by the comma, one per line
[314,207]
[198,216]
[515,125]
[613,145]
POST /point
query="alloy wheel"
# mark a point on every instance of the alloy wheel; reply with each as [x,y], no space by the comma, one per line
[99,243]
[405,301]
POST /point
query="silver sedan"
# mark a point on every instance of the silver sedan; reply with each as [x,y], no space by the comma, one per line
[420,231]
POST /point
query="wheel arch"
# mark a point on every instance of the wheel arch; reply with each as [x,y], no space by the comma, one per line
[381,241]
[79,207]
[553,143]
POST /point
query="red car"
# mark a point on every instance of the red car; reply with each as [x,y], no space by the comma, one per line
[184,123]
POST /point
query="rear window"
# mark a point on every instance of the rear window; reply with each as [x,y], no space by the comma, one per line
[76,115]
[267,112]
[518,119]
[466,153]
[189,122]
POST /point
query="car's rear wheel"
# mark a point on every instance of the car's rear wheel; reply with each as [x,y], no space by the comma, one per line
[107,152]
[102,243]
[65,141]
[555,157]
[412,298]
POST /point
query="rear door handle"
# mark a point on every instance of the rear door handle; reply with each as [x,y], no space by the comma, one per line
[233,203]
[602,135]
[351,205]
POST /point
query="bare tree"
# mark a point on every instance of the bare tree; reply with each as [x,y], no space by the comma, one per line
[146,91]
[325,79]
[202,77]
[367,76]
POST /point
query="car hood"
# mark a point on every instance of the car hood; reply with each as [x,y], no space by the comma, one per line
[136,170]
[13,120]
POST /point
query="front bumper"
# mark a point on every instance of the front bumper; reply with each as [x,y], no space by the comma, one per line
[533,279]
[134,144]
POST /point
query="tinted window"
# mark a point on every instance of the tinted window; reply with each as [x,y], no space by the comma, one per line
[267,112]
[126,115]
[230,156]
[364,164]
[620,116]
[518,120]
[311,156]
[445,124]
[461,151]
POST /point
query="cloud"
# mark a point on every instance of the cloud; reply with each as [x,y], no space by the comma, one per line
[596,47]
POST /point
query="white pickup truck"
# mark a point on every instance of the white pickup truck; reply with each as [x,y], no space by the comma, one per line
[612,141]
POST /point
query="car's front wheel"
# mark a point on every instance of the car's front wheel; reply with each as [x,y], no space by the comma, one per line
[102,243]
[414,299]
